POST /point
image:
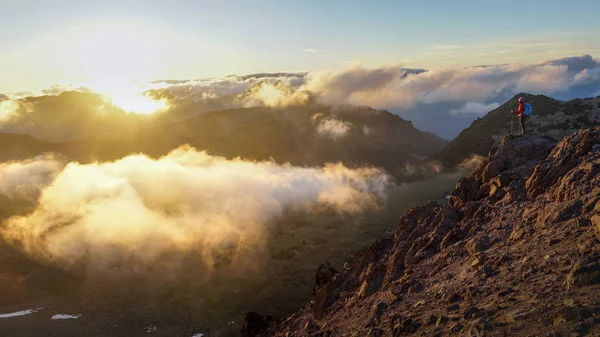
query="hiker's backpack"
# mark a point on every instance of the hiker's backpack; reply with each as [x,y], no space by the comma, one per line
[527,110]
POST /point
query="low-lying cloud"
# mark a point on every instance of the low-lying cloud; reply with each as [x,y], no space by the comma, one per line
[24,180]
[139,213]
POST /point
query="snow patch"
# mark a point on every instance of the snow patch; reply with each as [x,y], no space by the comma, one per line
[65,316]
[198,335]
[20,313]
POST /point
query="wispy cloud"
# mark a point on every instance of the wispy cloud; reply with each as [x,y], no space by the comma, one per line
[331,127]
[523,48]
[475,108]
[310,50]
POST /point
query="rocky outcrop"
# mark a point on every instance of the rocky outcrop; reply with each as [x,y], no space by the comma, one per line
[514,252]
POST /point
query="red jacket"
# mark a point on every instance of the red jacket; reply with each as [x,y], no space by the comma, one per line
[520,110]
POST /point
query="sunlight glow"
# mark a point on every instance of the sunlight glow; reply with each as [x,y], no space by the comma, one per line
[130,97]
[139,103]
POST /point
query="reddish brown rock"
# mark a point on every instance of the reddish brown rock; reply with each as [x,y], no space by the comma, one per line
[517,239]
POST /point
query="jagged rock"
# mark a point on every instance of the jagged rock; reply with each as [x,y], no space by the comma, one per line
[564,157]
[539,238]
[471,208]
[467,189]
[397,290]
[476,245]
[377,312]
[514,157]
[583,274]
[476,263]
[403,327]
[325,273]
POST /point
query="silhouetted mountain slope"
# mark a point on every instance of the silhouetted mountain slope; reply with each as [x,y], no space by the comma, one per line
[550,117]
[71,115]
[515,252]
[298,135]
[19,147]
[306,135]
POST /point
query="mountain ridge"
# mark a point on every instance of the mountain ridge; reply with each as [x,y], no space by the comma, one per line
[299,135]
[515,251]
[551,117]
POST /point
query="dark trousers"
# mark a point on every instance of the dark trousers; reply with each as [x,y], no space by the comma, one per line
[522,122]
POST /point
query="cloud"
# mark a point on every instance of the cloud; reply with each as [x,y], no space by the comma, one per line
[331,127]
[545,79]
[452,91]
[279,94]
[8,110]
[310,50]
[475,108]
[577,64]
[587,76]
[395,87]
[24,180]
[119,217]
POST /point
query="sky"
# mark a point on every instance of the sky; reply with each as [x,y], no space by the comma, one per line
[48,42]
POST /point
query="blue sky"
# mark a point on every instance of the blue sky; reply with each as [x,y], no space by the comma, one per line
[52,41]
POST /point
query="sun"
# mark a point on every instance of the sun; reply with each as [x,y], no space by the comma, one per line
[116,60]
[130,97]
[140,103]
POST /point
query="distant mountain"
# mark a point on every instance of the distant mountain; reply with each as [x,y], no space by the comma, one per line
[309,135]
[69,116]
[304,136]
[550,117]
[20,147]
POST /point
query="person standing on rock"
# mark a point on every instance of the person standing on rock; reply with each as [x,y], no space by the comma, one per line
[521,112]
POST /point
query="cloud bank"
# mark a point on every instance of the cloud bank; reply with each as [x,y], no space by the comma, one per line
[139,214]
[412,93]
[398,87]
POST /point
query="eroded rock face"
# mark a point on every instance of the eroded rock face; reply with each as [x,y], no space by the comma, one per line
[514,252]
[564,157]
[515,156]
[323,275]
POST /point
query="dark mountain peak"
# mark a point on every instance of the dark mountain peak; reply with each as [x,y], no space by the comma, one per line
[513,253]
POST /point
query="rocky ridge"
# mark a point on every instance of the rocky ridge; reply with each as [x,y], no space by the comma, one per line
[515,251]
[550,117]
